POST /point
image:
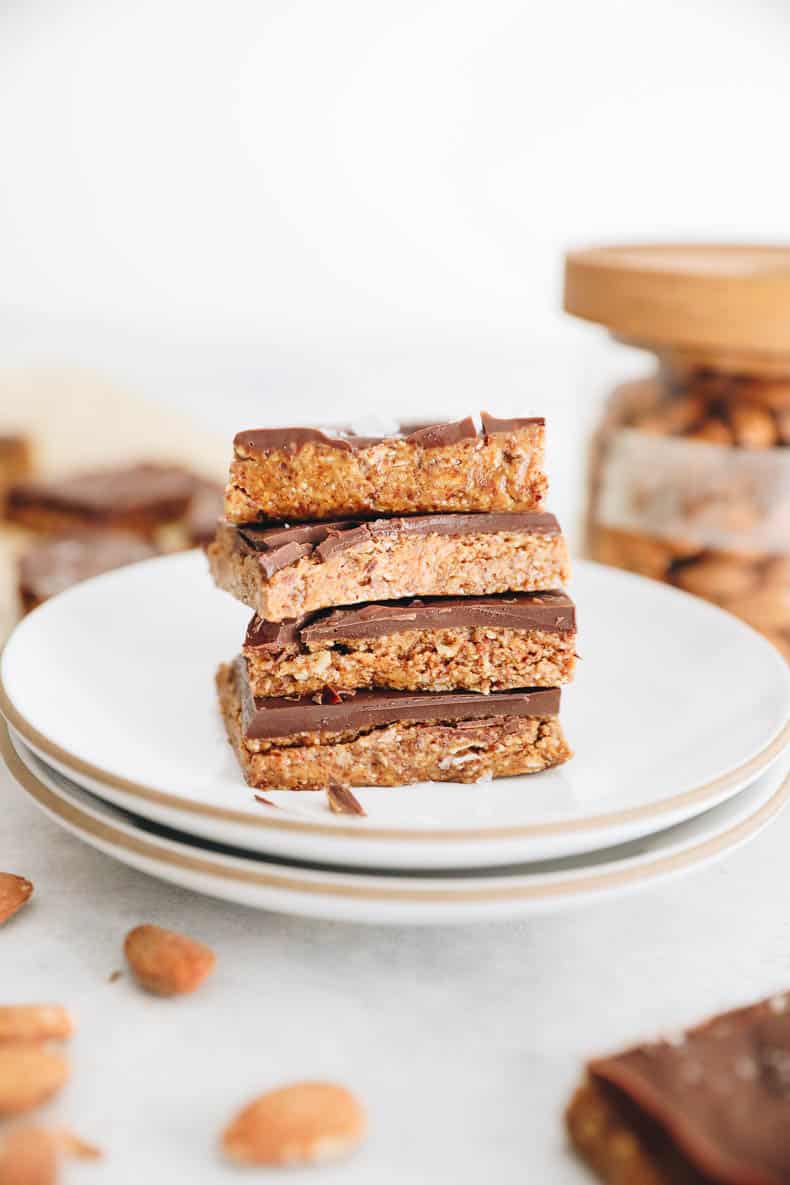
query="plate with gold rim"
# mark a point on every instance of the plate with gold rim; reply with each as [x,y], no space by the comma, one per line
[677,706]
[396,896]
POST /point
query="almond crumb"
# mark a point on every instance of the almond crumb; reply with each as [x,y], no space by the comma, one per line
[343,802]
[74,1145]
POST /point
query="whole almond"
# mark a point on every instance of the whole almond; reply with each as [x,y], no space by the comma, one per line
[29,1075]
[34,1022]
[767,610]
[713,431]
[753,427]
[28,1156]
[15,891]
[301,1124]
[166,963]
[638,553]
[717,578]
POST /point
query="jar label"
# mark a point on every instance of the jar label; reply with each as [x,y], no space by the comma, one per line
[711,495]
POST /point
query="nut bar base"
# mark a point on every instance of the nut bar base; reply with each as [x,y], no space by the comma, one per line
[303,473]
[707,1107]
[474,643]
[290,572]
[394,754]
[619,1148]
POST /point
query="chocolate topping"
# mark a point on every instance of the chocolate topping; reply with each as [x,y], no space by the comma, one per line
[55,564]
[720,1094]
[266,719]
[266,440]
[492,426]
[160,490]
[552,611]
[278,547]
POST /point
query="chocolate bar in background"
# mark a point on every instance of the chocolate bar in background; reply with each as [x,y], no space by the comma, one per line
[54,564]
[710,1106]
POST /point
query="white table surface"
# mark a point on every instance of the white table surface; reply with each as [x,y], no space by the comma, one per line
[464,1043]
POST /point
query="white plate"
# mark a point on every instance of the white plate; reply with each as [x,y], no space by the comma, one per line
[677,706]
[351,895]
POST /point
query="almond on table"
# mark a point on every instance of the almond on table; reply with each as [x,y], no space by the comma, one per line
[29,1075]
[166,963]
[34,1022]
[302,1124]
[15,891]
[28,1156]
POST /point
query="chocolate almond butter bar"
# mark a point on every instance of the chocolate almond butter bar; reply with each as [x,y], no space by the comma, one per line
[440,644]
[54,564]
[141,498]
[387,738]
[287,572]
[306,473]
[709,1107]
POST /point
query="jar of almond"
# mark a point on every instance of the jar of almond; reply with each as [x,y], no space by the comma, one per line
[689,476]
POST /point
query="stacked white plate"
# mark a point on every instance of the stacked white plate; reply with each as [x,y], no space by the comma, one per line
[679,717]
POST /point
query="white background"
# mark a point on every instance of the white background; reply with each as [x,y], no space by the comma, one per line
[294,205]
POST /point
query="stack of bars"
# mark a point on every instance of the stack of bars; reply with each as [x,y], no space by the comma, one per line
[409,624]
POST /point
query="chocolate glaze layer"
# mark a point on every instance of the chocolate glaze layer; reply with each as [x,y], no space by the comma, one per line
[551,611]
[266,440]
[266,719]
[719,1094]
[162,490]
[278,547]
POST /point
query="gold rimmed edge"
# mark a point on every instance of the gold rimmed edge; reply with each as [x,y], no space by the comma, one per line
[744,773]
[147,849]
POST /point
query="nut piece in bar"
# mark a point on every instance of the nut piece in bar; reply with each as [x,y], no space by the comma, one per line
[710,1107]
[306,473]
[287,572]
[440,644]
[387,738]
[54,564]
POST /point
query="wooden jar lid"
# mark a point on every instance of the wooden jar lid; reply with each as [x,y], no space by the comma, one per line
[728,302]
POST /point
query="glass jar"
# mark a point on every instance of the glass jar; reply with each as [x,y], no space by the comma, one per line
[690,466]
